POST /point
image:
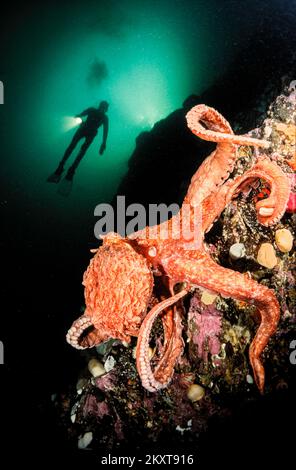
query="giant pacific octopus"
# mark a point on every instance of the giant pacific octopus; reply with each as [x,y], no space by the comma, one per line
[121,275]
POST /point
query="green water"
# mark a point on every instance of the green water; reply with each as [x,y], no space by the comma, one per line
[151,56]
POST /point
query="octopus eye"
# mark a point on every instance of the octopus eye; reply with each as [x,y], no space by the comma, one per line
[152,251]
[265,211]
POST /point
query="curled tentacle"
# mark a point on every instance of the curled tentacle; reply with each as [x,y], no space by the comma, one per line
[148,378]
[83,334]
[271,209]
[173,346]
[215,169]
[218,128]
[216,124]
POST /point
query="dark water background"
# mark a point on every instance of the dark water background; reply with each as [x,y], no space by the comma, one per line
[57,59]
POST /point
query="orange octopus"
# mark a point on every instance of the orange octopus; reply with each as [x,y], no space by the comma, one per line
[120,278]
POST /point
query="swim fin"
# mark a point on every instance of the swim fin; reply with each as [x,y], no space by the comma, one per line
[55,177]
[65,187]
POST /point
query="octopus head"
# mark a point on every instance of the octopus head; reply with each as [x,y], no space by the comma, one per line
[118,286]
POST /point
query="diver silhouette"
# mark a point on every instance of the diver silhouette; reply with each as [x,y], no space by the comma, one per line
[87,130]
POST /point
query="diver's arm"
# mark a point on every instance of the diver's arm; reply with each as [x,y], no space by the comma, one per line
[84,113]
[105,134]
[105,130]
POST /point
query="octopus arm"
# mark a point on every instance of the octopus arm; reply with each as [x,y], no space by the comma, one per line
[189,268]
[213,172]
[159,379]
[83,333]
[217,127]
[271,209]
[173,345]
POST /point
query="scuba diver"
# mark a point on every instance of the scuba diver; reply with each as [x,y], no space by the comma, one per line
[87,130]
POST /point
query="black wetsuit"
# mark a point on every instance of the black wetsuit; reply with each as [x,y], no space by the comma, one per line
[88,130]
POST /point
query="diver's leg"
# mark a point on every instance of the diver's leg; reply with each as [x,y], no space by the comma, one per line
[77,136]
[84,147]
[56,176]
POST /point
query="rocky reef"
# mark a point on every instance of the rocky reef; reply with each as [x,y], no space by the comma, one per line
[108,409]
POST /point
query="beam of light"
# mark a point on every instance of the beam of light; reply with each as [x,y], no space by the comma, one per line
[146,121]
[143,93]
[69,122]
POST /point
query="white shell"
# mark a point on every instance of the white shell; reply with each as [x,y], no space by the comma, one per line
[284,240]
[85,440]
[208,298]
[195,392]
[96,368]
[237,251]
[250,379]
[109,363]
[292,86]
